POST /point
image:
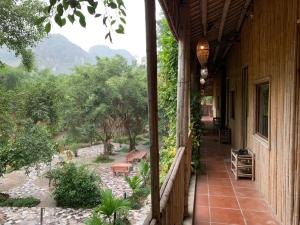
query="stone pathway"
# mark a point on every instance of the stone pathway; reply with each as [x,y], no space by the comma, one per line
[36,185]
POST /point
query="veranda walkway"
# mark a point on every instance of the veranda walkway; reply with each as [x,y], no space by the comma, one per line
[220,199]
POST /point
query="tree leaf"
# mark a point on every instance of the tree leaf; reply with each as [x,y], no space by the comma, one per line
[63,22]
[52,2]
[60,9]
[91,10]
[108,36]
[104,20]
[98,15]
[120,29]
[66,4]
[57,19]
[112,22]
[82,21]
[71,18]
[79,14]
[40,20]
[123,12]
[48,27]
[112,5]
[123,20]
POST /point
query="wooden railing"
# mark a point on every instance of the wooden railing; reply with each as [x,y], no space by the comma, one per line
[174,191]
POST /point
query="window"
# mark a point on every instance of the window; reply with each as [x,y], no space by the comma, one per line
[262,109]
[232,104]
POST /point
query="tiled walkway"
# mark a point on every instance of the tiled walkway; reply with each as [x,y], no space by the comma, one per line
[220,199]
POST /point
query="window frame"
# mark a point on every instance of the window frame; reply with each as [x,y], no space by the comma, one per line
[257,84]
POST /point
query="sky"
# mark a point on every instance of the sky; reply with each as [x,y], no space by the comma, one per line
[134,39]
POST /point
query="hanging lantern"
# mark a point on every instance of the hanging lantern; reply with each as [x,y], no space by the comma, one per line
[204,73]
[202,81]
[203,51]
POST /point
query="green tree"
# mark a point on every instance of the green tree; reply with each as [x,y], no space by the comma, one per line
[30,145]
[39,102]
[18,29]
[129,98]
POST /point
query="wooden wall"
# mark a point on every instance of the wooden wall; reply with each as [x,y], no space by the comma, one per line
[268,48]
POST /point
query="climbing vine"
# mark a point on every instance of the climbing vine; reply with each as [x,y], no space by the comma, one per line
[168,66]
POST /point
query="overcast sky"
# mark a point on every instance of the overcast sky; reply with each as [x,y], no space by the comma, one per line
[133,40]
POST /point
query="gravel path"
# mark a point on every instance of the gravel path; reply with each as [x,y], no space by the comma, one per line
[35,184]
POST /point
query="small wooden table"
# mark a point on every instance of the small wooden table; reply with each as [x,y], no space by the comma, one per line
[121,168]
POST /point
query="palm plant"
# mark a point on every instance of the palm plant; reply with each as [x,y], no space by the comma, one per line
[144,169]
[111,205]
[134,183]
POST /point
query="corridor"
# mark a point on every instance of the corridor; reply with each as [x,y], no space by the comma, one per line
[220,199]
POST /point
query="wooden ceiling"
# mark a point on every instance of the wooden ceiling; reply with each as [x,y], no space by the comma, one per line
[219,21]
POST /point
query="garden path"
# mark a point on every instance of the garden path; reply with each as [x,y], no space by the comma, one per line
[17,184]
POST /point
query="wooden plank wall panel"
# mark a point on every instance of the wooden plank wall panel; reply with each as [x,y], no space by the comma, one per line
[267,47]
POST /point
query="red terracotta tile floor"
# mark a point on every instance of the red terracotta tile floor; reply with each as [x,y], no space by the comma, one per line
[220,199]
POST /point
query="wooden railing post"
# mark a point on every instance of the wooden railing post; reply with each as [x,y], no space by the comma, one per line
[183,83]
[152,104]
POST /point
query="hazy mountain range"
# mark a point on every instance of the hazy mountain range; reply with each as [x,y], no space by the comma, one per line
[60,55]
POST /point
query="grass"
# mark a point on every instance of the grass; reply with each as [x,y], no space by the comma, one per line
[20,202]
[103,159]
[124,149]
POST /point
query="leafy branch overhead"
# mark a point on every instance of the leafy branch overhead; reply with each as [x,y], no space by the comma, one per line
[112,13]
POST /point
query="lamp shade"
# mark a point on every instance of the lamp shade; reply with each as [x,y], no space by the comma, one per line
[204,73]
[202,81]
[203,51]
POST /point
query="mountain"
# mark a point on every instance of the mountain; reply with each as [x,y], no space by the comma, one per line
[104,51]
[60,55]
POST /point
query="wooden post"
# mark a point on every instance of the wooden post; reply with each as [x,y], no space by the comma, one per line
[183,87]
[152,104]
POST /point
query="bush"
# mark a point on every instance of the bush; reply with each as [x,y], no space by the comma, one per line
[124,149]
[112,210]
[103,159]
[20,202]
[76,187]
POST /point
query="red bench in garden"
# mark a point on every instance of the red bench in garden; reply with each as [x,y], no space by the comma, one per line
[121,168]
[136,155]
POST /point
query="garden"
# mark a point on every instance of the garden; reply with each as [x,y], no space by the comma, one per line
[60,135]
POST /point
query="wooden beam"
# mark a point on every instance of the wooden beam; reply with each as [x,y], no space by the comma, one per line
[239,24]
[243,14]
[152,105]
[223,20]
[204,16]
[221,28]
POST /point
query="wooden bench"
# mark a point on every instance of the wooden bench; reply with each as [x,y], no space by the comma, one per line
[122,168]
[136,155]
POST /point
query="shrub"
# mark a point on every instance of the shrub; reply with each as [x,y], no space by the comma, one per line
[76,187]
[74,148]
[124,149]
[95,220]
[103,159]
[20,202]
[110,204]
[112,210]
[144,170]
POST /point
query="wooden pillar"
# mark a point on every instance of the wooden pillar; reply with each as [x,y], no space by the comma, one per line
[183,83]
[152,105]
